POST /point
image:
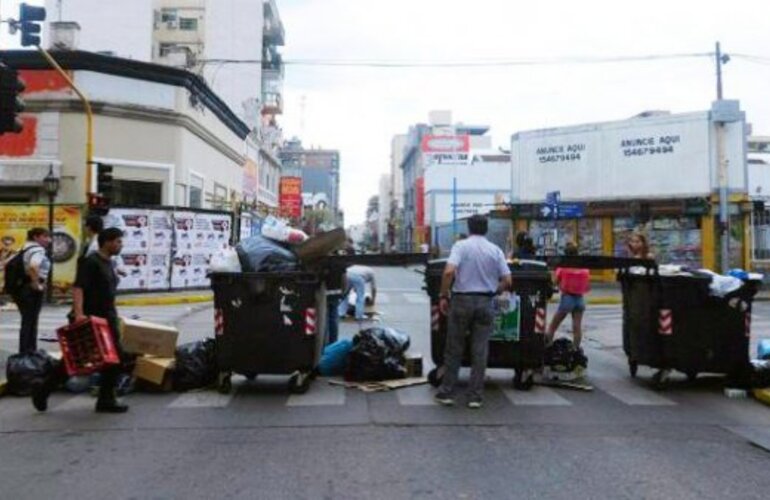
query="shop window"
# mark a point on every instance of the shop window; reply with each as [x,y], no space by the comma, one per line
[673,240]
[590,236]
[550,237]
[137,193]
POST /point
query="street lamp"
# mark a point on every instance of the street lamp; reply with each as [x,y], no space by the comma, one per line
[51,185]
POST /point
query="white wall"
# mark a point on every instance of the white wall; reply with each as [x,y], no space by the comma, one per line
[234,31]
[596,161]
[384,208]
[124,27]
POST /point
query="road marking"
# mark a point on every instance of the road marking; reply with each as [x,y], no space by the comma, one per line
[537,396]
[416,298]
[631,394]
[203,399]
[421,395]
[80,402]
[319,394]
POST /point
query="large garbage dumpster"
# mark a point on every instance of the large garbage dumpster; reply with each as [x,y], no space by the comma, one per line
[675,323]
[269,323]
[522,352]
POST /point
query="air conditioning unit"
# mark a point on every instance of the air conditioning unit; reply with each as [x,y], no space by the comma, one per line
[172,25]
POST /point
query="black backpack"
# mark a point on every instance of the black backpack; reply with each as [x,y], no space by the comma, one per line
[15,275]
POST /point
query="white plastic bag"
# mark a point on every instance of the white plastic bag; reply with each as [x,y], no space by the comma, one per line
[225,261]
[278,230]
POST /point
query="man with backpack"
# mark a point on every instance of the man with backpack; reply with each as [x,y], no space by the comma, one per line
[26,276]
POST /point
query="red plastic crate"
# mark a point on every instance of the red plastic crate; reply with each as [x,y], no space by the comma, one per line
[87,346]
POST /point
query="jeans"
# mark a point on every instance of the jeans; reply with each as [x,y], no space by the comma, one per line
[358,284]
[474,314]
[333,326]
[29,302]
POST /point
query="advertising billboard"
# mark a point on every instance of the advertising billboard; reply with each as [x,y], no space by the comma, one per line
[16,220]
[446,149]
[669,155]
[291,197]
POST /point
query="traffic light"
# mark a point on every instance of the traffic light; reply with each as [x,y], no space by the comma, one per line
[104,184]
[30,18]
[11,103]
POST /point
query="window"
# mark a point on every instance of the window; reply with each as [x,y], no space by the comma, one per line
[137,193]
[166,48]
[196,197]
[167,15]
[188,24]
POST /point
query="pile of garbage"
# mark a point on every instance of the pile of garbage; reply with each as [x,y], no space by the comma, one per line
[374,354]
[562,357]
[153,363]
[719,285]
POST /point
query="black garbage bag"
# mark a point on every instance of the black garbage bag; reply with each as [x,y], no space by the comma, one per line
[196,365]
[561,356]
[259,254]
[760,374]
[377,354]
[24,372]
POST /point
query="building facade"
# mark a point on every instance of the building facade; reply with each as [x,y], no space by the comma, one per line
[170,140]
[320,172]
[657,173]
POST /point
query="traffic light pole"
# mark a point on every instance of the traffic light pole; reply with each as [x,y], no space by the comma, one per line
[89,119]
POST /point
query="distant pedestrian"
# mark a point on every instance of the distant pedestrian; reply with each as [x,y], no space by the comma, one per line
[573,283]
[525,247]
[29,298]
[356,279]
[638,248]
[475,272]
[93,294]
[94,225]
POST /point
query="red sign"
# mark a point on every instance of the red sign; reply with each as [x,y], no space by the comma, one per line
[291,196]
[419,201]
[446,144]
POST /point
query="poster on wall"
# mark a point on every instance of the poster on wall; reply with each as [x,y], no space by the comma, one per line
[16,220]
[181,257]
[159,260]
[133,263]
[197,236]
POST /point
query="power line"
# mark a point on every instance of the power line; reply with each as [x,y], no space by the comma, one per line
[370,63]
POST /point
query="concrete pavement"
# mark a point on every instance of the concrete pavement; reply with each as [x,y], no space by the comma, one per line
[623,440]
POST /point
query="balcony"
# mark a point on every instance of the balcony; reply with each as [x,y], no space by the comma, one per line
[272,92]
[273,32]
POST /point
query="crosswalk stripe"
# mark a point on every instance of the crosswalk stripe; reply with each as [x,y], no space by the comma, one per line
[78,402]
[321,393]
[421,395]
[631,394]
[416,298]
[537,396]
[202,399]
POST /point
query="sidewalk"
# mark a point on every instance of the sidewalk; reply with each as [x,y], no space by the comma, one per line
[145,299]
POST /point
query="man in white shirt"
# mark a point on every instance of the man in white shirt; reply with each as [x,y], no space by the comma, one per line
[29,300]
[476,271]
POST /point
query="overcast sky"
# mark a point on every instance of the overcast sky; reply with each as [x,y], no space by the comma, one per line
[358,110]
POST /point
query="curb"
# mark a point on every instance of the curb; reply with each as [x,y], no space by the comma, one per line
[164,300]
[596,301]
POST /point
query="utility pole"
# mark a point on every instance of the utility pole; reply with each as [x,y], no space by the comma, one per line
[724,216]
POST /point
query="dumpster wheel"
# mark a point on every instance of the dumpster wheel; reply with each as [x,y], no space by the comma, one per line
[633,367]
[692,375]
[299,383]
[225,383]
[520,383]
[660,379]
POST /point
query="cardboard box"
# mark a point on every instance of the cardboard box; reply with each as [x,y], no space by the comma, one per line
[156,371]
[141,337]
[413,365]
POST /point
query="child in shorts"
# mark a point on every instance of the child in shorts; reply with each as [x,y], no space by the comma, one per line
[573,285]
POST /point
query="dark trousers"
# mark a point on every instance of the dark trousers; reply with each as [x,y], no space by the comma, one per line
[333,319]
[29,302]
[109,376]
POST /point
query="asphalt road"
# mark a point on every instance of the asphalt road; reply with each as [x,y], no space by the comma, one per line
[622,440]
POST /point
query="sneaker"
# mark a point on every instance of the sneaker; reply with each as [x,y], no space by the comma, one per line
[475,403]
[444,399]
[40,398]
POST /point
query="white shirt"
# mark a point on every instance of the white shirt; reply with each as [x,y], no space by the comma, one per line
[480,265]
[36,258]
